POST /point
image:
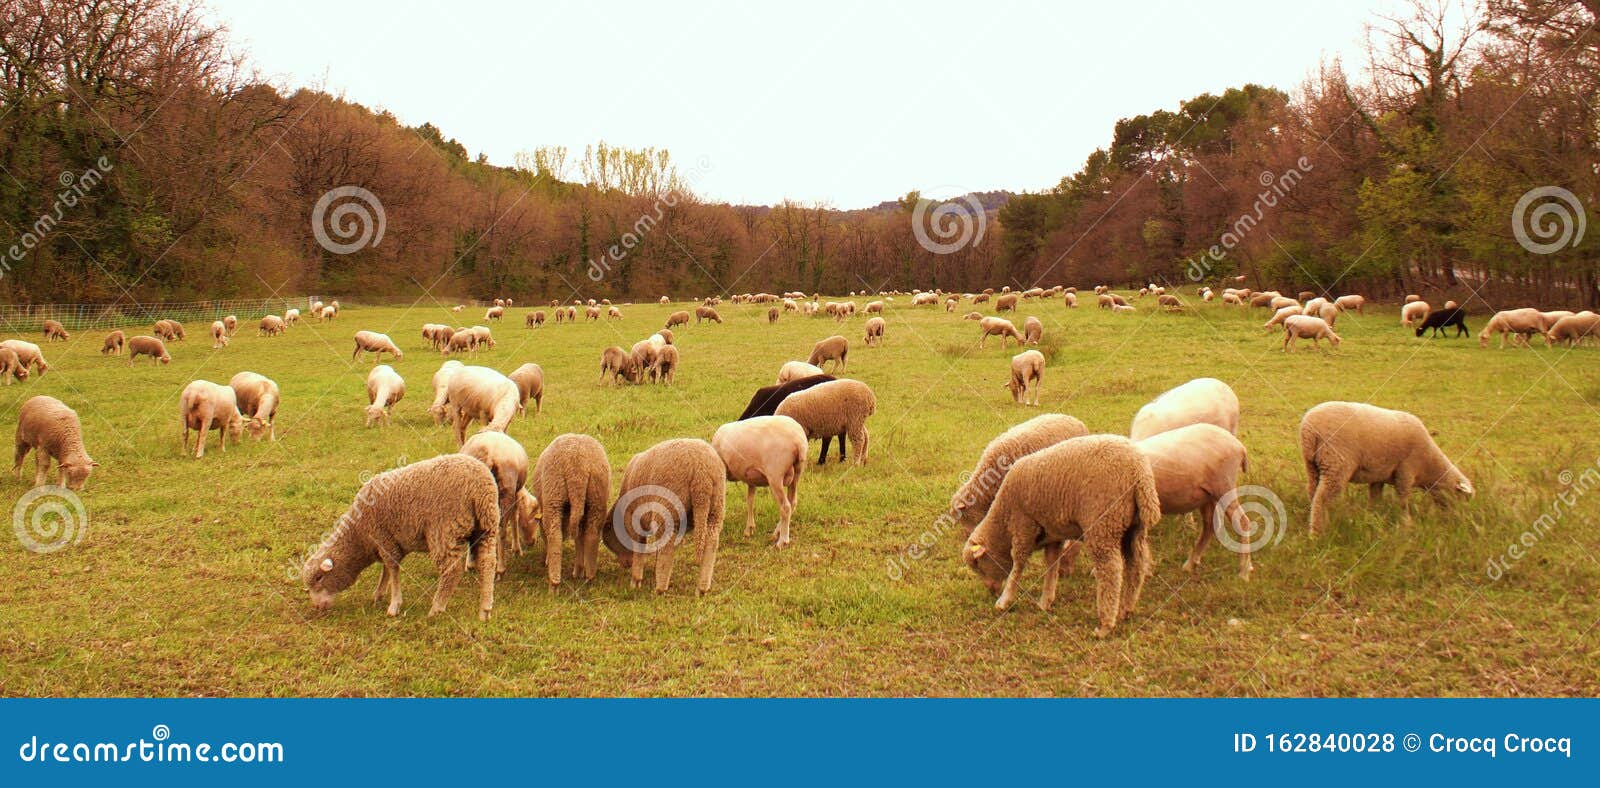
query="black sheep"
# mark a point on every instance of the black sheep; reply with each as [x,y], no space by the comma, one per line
[1445,318]
[765,402]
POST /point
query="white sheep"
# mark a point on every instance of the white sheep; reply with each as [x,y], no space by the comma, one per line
[441,383]
[385,387]
[794,370]
[257,396]
[837,408]
[1307,327]
[480,394]
[1356,443]
[50,429]
[1200,401]
[971,501]
[530,385]
[765,451]
[377,344]
[1027,370]
[204,406]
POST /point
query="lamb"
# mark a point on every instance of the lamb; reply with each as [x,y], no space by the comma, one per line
[534,319]
[441,388]
[480,394]
[495,312]
[507,462]
[113,343]
[997,326]
[270,326]
[1027,370]
[617,363]
[1200,401]
[148,346]
[765,451]
[53,331]
[833,409]
[766,399]
[1519,323]
[667,364]
[385,387]
[1007,302]
[1032,330]
[678,318]
[644,357]
[705,313]
[203,406]
[11,367]
[257,397]
[530,385]
[291,317]
[669,489]
[1197,467]
[377,344]
[835,348]
[875,328]
[1444,318]
[972,499]
[1353,442]
[1281,315]
[219,334]
[1098,489]
[231,324]
[1572,330]
[1307,327]
[572,481]
[46,426]
[446,506]
[1413,311]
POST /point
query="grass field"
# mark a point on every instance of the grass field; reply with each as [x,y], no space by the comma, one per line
[186,580]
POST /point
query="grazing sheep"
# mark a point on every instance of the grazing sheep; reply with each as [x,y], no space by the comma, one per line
[1306,295]
[613,313]
[1279,302]
[291,317]
[772,315]
[437,335]
[113,343]
[257,397]
[1353,442]
[53,331]
[666,364]
[165,329]
[644,357]
[1307,327]
[837,408]
[1328,312]
[561,314]
[665,300]
[1070,299]
[495,312]
[766,451]
[572,481]
[441,388]
[1313,306]
[482,336]
[591,313]
[1123,309]
[1195,467]
[1171,303]
[874,308]
[231,323]
[28,355]
[1444,318]
[665,334]
[461,341]
[1097,489]
[535,319]
[678,318]
[1413,311]
[148,346]
[972,499]
[794,370]
[1548,319]
[1519,323]
[1233,299]
[1574,329]
[990,326]
[572,314]
[972,316]
[669,489]
[376,344]
[617,363]
[1027,370]
[1260,300]
[1281,315]
[385,387]
[507,462]
[316,307]
[447,506]
[1006,303]
[530,385]
[11,367]
[46,426]
[480,394]
[327,314]
[1200,401]
[766,399]
[1032,330]
[835,348]
[705,313]
[1350,303]
[205,405]
[875,328]
[270,326]
[219,334]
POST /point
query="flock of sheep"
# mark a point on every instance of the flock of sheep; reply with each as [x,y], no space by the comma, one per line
[1045,483]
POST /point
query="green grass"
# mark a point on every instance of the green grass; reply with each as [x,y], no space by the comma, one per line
[185,582]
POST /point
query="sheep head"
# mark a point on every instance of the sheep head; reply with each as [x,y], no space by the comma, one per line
[991,566]
[75,475]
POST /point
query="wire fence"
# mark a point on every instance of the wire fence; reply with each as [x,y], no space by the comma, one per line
[30,317]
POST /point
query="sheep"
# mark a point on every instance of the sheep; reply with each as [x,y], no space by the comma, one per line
[534,319]
[1281,315]
[772,315]
[231,323]
[613,313]
[500,302]
[1097,489]
[1027,370]
[1306,295]
[1328,312]
[617,363]
[1007,302]
[11,367]
[1232,299]
[377,344]
[270,326]
[1573,330]
[665,300]
[1353,442]
[447,506]
[166,329]
[482,336]
[572,314]
[572,480]
[972,499]
[437,335]
[1307,327]
[835,348]
[257,397]
[316,307]
[1195,468]
[972,316]
[591,313]
[46,426]
[980,298]
[765,451]
[875,328]
[204,405]
[668,489]
[678,318]
[1519,323]
[480,394]
[1279,302]
[766,399]
[219,334]
[1450,305]
[1263,300]
[1313,306]
[644,357]
[1548,319]
[667,364]
[462,340]
[327,314]
[1413,311]
[1032,331]
[148,346]
[1444,318]
[441,387]
[507,462]
[997,326]
[53,331]
[385,387]
[530,385]
[833,409]
[705,313]
[1206,295]
[28,355]
[1123,309]
[495,312]
[113,343]
[1171,303]
[561,314]
[1070,300]
[1200,401]
[874,308]
[665,334]
[291,317]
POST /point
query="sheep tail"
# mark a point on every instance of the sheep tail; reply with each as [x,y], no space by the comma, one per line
[1146,502]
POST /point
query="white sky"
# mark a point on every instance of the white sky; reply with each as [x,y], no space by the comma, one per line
[845,103]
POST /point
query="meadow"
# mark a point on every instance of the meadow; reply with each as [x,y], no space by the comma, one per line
[185,581]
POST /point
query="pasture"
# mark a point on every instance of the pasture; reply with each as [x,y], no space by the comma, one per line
[186,581]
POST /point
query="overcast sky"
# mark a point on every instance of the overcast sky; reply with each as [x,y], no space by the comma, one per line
[847,103]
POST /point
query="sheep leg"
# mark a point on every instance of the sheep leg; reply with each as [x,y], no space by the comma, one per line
[1402,486]
[383,583]
[858,440]
[1108,569]
[588,545]
[1374,493]
[664,561]
[452,562]
[822,459]
[205,427]
[750,511]
[1069,556]
[709,537]
[785,511]
[1328,488]
[1137,567]
[487,548]
[41,474]
[391,567]
[1052,558]
[552,544]
[22,451]
[1023,536]
[1208,514]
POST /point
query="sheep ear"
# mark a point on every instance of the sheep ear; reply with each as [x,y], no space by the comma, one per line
[977,551]
[327,564]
